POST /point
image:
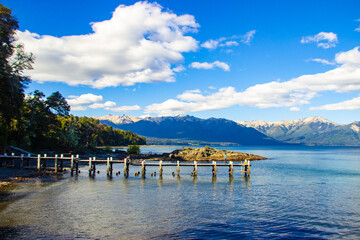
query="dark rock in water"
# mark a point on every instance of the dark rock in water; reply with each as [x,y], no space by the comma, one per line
[211,154]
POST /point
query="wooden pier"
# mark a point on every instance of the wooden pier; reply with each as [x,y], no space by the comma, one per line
[43,162]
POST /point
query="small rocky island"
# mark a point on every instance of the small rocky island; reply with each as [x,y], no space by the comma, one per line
[210,154]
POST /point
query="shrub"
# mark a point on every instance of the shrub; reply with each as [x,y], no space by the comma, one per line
[133,149]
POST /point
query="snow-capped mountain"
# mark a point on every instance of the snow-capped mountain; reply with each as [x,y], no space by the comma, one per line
[309,131]
[119,119]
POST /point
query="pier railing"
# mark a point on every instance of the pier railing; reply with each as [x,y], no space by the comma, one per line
[56,163]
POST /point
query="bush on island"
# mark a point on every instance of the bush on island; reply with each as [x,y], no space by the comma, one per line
[133,149]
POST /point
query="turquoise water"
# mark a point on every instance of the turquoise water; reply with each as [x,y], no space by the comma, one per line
[300,192]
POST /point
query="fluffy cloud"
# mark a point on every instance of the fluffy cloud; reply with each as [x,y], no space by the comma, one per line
[322,39]
[292,93]
[81,103]
[353,104]
[124,108]
[86,101]
[210,44]
[323,61]
[358,28]
[229,42]
[206,65]
[295,109]
[139,44]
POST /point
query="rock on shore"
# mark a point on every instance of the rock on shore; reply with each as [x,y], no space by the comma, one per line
[211,154]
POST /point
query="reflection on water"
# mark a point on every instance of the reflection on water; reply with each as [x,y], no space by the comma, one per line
[298,193]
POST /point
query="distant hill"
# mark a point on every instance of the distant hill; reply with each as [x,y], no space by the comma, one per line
[310,131]
[192,128]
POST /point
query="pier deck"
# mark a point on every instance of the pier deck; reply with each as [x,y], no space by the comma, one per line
[44,162]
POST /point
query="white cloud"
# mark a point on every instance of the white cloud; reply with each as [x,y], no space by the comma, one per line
[295,109]
[124,108]
[210,44]
[86,101]
[292,93]
[206,65]
[102,105]
[323,61]
[323,39]
[139,44]
[81,103]
[179,68]
[248,37]
[358,28]
[353,104]
[229,42]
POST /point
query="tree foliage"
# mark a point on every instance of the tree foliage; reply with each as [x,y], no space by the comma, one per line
[13,62]
[45,123]
[133,149]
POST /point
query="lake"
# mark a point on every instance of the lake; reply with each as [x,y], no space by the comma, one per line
[299,192]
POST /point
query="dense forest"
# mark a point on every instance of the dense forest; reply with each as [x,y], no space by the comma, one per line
[34,122]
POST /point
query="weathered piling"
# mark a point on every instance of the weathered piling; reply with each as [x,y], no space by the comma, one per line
[160,168]
[126,167]
[247,168]
[109,168]
[214,170]
[39,162]
[143,169]
[72,165]
[56,164]
[61,163]
[195,168]
[178,168]
[44,162]
[231,168]
[90,166]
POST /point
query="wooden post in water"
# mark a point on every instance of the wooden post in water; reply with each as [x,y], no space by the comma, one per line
[21,163]
[178,168]
[56,163]
[44,164]
[111,166]
[160,168]
[94,165]
[247,168]
[143,169]
[39,162]
[214,170]
[90,166]
[231,168]
[195,169]
[108,166]
[29,155]
[61,163]
[77,167]
[126,168]
[72,165]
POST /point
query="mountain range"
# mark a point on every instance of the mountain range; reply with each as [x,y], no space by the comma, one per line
[212,130]
[308,131]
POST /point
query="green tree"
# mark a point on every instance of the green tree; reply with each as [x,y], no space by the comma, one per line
[58,104]
[13,62]
[133,149]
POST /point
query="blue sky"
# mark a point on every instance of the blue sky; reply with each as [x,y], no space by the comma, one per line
[240,60]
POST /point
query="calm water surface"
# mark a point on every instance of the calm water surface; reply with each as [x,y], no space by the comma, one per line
[300,192]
